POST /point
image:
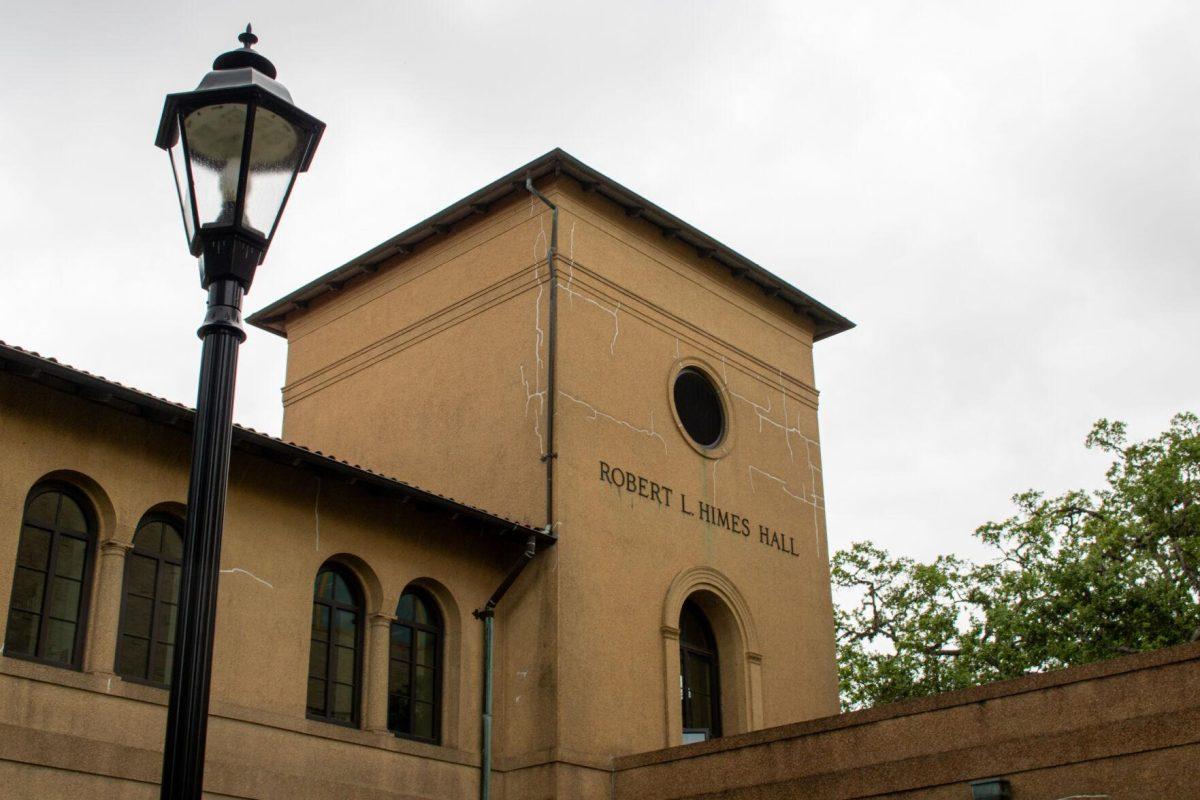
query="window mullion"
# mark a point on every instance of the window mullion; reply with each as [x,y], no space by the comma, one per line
[47,588]
[153,615]
[329,656]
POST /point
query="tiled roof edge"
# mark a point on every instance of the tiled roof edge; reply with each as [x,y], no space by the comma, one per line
[51,372]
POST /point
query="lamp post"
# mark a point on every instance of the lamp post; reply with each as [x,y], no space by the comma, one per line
[236,144]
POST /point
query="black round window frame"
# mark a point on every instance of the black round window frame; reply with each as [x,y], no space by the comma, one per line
[725,441]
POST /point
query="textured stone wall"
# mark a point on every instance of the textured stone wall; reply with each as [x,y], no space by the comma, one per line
[1127,728]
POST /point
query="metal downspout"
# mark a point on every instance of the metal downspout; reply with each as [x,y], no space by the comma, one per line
[488,615]
[551,352]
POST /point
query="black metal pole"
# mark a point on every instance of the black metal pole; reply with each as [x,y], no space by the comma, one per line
[187,712]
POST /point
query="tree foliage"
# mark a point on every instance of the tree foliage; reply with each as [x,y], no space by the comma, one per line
[1075,578]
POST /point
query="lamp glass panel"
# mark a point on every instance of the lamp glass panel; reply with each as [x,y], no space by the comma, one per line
[275,151]
[213,137]
[179,170]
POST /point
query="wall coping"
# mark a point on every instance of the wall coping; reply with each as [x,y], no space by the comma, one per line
[1151,659]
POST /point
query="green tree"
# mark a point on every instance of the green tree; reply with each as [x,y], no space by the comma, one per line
[1075,578]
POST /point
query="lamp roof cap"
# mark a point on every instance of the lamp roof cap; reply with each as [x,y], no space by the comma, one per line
[245,56]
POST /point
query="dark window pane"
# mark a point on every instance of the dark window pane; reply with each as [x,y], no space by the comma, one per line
[404,609]
[316,695]
[142,572]
[320,623]
[160,662]
[426,648]
[34,548]
[43,510]
[323,588]
[341,590]
[149,537]
[22,633]
[343,702]
[699,674]
[400,709]
[699,671]
[138,611]
[698,405]
[68,560]
[64,599]
[164,623]
[693,631]
[335,642]
[423,720]
[398,676]
[168,582]
[701,717]
[424,683]
[27,590]
[345,632]
[343,664]
[70,516]
[317,660]
[60,641]
[132,656]
[172,542]
[420,611]
[401,646]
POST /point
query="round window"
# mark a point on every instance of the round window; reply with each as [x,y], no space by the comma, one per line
[698,405]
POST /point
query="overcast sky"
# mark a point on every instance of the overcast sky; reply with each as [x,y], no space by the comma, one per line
[1005,196]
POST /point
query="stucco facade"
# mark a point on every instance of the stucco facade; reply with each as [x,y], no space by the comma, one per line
[498,380]
[433,363]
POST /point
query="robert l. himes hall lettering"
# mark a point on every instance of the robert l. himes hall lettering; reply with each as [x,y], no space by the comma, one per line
[667,497]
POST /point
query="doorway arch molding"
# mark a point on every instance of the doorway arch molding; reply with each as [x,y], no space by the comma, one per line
[740,660]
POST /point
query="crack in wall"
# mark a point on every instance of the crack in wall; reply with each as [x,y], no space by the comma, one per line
[816,502]
[788,428]
[571,256]
[317,518]
[598,414]
[612,312]
[247,573]
[537,418]
[539,337]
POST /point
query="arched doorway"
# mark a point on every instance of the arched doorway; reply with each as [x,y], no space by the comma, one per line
[699,679]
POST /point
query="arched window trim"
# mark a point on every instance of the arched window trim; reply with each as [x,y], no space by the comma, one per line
[175,522]
[359,608]
[85,591]
[741,655]
[708,653]
[439,673]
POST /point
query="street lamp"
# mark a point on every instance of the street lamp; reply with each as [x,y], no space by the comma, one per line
[236,144]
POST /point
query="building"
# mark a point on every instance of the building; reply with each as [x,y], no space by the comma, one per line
[628,399]
[605,423]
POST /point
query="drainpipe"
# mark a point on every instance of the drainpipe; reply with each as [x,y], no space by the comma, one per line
[551,351]
[488,615]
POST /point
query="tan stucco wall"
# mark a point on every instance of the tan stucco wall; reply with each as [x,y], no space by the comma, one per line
[413,371]
[434,369]
[277,534]
[633,309]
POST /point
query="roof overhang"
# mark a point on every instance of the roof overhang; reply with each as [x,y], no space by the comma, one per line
[51,373]
[826,321]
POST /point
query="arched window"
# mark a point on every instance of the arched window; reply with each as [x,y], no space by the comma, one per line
[149,602]
[698,681]
[48,608]
[415,668]
[335,658]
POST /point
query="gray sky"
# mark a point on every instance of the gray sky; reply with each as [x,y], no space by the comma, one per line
[1004,196]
